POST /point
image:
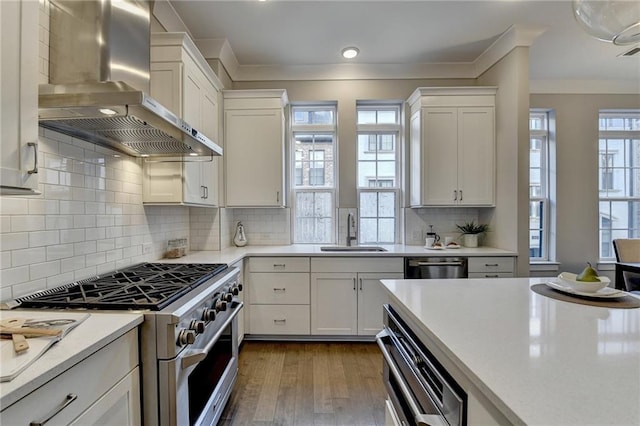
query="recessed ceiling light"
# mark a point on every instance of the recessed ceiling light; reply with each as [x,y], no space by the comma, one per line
[350,52]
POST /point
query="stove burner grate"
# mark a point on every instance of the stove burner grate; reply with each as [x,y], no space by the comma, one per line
[143,286]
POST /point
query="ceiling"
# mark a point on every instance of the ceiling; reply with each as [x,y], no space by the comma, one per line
[402,35]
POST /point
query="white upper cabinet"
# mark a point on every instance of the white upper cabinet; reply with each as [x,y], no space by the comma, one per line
[254,151]
[19,90]
[182,81]
[452,146]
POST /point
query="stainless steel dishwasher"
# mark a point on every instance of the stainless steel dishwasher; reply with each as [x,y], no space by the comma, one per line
[435,267]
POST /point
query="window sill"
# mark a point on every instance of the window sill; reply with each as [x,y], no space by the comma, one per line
[544,266]
[606,265]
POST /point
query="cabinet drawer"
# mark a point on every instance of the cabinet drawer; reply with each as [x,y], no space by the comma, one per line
[491,264]
[279,264]
[490,274]
[279,288]
[280,319]
[88,380]
[357,264]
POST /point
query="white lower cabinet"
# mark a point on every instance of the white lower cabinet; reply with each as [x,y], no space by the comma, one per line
[102,389]
[492,267]
[279,295]
[346,294]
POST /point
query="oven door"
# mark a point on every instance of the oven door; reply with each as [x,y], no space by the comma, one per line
[401,384]
[195,386]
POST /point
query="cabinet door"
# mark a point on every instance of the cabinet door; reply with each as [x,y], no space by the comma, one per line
[19,88]
[476,156]
[120,406]
[165,84]
[162,182]
[334,304]
[440,156]
[254,155]
[371,297]
[194,190]
[415,166]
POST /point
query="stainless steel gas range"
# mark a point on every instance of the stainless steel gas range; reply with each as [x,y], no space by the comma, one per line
[188,341]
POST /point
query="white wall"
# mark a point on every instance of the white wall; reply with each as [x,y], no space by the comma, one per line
[510,219]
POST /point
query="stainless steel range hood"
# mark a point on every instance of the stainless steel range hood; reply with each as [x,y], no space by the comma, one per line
[99,74]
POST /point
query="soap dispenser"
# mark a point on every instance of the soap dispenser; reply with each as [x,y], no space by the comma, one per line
[239,239]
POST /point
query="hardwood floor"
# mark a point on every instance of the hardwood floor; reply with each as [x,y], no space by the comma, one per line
[307,383]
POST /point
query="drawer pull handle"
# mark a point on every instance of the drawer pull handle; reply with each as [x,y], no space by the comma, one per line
[491,276]
[68,400]
[281,290]
[279,265]
[490,264]
[35,161]
[279,321]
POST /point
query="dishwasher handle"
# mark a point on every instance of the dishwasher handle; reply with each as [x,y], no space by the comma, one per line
[420,418]
[421,263]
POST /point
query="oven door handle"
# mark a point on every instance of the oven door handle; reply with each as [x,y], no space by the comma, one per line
[421,419]
[192,357]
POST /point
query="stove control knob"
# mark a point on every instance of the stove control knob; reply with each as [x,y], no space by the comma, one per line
[234,290]
[228,297]
[186,337]
[209,314]
[239,286]
[220,305]
[197,326]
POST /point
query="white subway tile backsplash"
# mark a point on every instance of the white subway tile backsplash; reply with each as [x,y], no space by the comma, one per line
[41,206]
[27,223]
[44,270]
[14,241]
[27,256]
[59,251]
[91,234]
[14,206]
[44,238]
[84,248]
[59,221]
[12,276]
[72,235]
[71,264]
[71,207]
[96,258]
[22,289]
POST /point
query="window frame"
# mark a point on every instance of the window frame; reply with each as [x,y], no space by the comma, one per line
[380,129]
[627,136]
[544,230]
[314,130]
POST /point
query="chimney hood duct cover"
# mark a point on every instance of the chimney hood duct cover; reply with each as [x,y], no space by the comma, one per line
[99,73]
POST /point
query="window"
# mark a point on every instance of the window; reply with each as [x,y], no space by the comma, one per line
[313,173]
[619,178]
[539,217]
[378,172]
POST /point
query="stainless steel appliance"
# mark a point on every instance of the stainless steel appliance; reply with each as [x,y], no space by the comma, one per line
[100,94]
[435,267]
[420,390]
[188,340]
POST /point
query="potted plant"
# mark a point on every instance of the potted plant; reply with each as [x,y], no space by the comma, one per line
[470,232]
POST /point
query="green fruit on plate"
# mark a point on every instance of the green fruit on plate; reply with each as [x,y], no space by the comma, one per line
[588,274]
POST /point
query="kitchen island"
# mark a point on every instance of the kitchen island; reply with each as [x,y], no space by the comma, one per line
[524,358]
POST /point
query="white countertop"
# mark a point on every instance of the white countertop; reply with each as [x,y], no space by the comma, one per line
[234,254]
[98,330]
[540,361]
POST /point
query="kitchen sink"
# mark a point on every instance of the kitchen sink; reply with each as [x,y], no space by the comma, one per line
[352,248]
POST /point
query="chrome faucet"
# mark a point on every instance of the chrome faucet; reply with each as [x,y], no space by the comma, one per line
[351,226]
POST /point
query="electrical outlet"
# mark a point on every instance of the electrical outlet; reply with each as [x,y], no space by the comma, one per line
[146,248]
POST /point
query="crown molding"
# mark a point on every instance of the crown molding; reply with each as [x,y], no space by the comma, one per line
[169,18]
[618,87]
[514,36]
[219,48]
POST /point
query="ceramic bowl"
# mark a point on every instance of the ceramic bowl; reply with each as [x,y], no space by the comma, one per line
[569,279]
